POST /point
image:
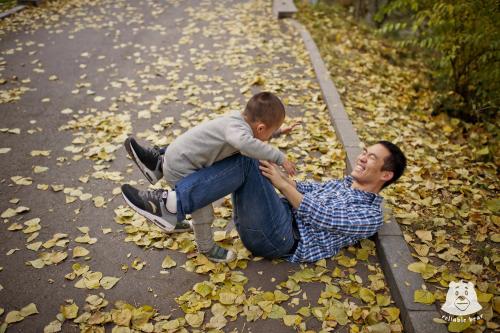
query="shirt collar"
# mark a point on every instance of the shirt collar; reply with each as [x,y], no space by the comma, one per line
[375,198]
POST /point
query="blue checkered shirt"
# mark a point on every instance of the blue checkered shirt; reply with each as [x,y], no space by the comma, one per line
[333,215]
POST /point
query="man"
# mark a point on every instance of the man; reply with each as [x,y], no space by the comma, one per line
[312,221]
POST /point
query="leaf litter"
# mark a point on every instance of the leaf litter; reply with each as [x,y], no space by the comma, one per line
[447,201]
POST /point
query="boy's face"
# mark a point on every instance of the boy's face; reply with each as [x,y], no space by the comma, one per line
[263,132]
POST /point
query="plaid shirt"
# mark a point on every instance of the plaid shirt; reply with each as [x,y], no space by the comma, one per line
[333,215]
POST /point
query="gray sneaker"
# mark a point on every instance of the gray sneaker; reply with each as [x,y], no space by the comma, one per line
[149,160]
[219,254]
[182,226]
[151,205]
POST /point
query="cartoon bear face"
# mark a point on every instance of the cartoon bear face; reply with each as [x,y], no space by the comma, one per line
[461,299]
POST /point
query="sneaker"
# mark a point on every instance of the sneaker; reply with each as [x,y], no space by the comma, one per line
[182,226]
[219,254]
[149,160]
[151,205]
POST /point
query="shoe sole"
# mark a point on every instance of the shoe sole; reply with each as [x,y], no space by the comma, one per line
[151,217]
[175,231]
[178,231]
[137,161]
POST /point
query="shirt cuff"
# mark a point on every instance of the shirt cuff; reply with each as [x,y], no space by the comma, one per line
[301,186]
[281,158]
[306,186]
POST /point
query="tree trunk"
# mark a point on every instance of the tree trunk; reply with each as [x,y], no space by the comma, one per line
[358,9]
[366,9]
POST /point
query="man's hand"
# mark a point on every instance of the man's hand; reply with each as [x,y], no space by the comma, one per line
[289,167]
[285,185]
[273,173]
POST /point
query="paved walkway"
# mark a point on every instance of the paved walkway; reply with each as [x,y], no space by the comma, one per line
[76,79]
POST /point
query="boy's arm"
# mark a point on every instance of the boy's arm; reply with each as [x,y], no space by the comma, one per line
[285,130]
[276,133]
[240,136]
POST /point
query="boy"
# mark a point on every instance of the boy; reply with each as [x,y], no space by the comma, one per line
[200,147]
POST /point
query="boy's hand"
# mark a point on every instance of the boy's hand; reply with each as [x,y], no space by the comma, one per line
[288,129]
[289,167]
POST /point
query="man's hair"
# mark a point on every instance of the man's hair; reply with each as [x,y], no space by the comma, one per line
[265,107]
[395,162]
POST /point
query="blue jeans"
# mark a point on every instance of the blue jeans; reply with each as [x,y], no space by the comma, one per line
[262,219]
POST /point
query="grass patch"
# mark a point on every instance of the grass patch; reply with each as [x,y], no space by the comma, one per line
[7,4]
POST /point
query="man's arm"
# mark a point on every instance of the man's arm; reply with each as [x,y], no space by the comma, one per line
[285,185]
[347,219]
[292,190]
[293,196]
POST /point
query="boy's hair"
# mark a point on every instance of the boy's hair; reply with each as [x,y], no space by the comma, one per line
[265,107]
[395,162]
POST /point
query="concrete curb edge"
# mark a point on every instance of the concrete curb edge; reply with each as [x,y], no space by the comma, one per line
[283,8]
[392,248]
[12,11]
[21,4]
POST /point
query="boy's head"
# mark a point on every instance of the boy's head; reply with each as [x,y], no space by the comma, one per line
[265,113]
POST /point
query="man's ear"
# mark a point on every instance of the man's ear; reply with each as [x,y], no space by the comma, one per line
[387,175]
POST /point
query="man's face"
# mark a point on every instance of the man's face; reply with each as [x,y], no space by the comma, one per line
[368,169]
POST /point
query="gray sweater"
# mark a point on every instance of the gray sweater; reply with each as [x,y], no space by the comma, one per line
[212,141]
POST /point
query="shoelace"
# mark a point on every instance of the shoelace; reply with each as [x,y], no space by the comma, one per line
[155,151]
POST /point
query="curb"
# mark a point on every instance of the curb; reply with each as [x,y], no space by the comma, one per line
[30,2]
[392,249]
[12,11]
[283,8]
[21,4]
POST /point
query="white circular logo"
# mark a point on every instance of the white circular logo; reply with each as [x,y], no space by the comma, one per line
[461,299]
